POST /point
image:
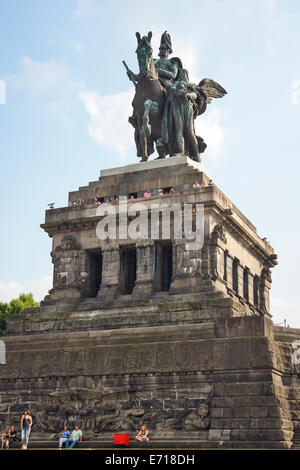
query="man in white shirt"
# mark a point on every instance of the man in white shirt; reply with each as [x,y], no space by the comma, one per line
[76,436]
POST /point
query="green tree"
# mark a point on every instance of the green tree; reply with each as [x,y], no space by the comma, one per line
[15,307]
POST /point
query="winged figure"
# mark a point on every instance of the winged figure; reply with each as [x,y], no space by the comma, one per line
[212,89]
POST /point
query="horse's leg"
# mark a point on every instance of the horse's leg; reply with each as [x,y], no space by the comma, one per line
[145,130]
[150,109]
[161,149]
[146,127]
[143,145]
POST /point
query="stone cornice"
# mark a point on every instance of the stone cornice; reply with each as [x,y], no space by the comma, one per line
[234,222]
[230,224]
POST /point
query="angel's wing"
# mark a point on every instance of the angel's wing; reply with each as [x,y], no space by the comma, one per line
[212,89]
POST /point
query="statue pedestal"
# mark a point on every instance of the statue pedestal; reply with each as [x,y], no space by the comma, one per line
[175,337]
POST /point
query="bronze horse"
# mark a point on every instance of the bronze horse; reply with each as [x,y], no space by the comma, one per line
[148,101]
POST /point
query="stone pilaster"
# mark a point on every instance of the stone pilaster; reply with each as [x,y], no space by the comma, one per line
[145,252]
[240,277]
[218,243]
[229,272]
[186,270]
[256,292]
[67,279]
[250,287]
[110,274]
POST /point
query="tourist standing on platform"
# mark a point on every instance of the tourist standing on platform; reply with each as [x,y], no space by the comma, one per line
[26,423]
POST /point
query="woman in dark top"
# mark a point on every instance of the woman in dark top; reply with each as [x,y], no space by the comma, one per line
[26,423]
[8,437]
[12,436]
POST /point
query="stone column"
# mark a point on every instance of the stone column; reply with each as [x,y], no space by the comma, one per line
[229,272]
[67,279]
[264,290]
[205,259]
[240,276]
[250,288]
[145,269]
[110,274]
[186,269]
[256,293]
[217,256]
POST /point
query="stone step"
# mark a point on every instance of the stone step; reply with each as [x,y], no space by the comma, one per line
[296,439]
[163,444]
[104,444]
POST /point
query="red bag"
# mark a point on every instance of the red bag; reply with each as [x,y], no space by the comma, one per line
[122,439]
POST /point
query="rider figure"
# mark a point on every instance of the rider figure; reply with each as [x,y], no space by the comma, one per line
[167,69]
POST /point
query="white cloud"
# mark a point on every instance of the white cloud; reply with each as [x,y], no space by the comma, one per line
[108,124]
[10,290]
[40,77]
[57,87]
[77,46]
[2,92]
[285,309]
[186,49]
[295,97]
[39,288]
[209,127]
[52,80]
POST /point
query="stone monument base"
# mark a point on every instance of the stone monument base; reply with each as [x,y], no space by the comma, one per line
[151,332]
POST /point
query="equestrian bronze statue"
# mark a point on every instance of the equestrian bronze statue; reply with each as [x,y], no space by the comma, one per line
[166,103]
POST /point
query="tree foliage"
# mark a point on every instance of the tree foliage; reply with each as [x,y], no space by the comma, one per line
[15,307]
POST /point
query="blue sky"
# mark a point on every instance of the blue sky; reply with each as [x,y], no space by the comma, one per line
[68,99]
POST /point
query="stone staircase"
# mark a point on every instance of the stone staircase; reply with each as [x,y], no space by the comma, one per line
[296,439]
[108,444]
[161,310]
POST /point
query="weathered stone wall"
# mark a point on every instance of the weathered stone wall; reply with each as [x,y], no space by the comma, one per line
[219,382]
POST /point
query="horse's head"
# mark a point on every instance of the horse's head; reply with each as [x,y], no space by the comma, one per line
[144,54]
